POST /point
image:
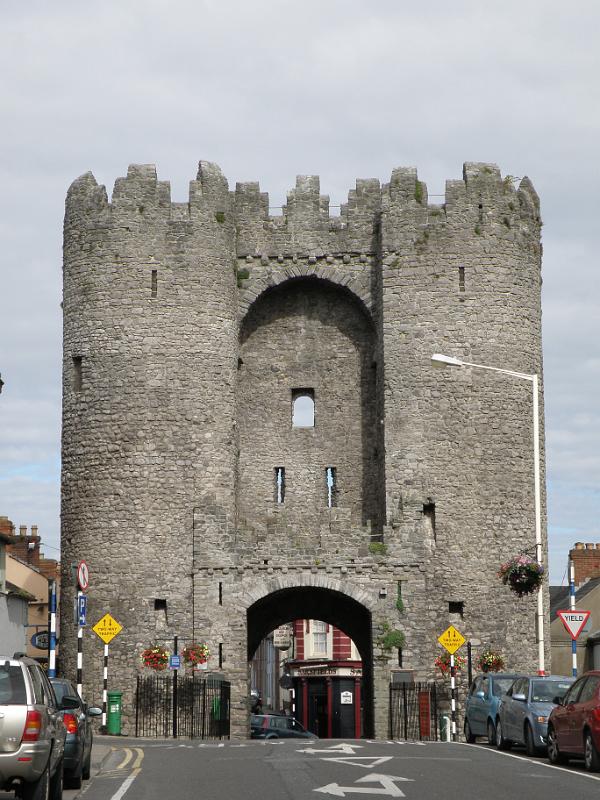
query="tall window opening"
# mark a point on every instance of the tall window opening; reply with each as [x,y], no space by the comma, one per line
[154,283]
[279,485]
[461,279]
[319,636]
[303,408]
[331,483]
[77,373]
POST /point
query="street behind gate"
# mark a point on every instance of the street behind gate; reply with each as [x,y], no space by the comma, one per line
[193,706]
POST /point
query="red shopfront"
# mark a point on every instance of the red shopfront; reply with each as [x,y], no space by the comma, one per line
[328,698]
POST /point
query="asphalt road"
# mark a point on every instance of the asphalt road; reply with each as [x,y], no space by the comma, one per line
[296,769]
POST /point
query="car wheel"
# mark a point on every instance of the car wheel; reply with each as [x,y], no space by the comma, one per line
[592,756]
[271,736]
[469,737]
[530,745]
[38,790]
[73,779]
[554,754]
[56,783]
[491,732]
[501,742]
[87,767]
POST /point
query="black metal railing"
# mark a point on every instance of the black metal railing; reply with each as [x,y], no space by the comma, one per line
[190,706]
[414,711]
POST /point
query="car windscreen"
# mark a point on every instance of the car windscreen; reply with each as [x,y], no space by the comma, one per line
[63,689]
[12,685]
[502,685]
[546,691]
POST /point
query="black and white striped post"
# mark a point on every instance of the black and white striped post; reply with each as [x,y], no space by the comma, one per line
[451,640]
[79,650]
[105,687]
[453,695]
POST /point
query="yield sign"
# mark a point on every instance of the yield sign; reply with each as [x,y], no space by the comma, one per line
[574,621]
[387,786]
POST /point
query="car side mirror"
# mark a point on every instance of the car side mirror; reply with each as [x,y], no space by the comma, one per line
[68,703]
[520,697]
[94,711]
[558,701]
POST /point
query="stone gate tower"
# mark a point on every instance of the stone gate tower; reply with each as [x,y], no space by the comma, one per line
[253,431]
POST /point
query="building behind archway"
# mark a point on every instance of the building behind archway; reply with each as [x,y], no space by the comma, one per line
[253,433]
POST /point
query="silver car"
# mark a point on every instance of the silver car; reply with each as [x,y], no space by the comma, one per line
[32,734]
[524,710]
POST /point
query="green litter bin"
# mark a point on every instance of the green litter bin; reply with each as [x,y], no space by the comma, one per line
[113,718]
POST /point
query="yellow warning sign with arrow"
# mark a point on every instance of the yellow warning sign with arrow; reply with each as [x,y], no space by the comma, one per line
[452,639]
[107,628]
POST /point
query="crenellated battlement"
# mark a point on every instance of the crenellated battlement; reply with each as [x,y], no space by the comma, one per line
[375,217]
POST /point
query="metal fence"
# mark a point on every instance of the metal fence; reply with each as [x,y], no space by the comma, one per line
[190,706]
[415,711]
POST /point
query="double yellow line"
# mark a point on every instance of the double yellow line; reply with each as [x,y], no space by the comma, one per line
[128,753]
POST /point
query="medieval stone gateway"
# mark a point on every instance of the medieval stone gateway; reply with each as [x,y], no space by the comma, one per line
[253,431]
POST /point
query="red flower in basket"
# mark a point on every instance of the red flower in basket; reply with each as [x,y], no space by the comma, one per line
[195,654]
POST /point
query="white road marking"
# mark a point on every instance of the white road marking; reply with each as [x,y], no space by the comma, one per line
[338,748]
[532,761]
[125,785]
[386,782]
[375,760]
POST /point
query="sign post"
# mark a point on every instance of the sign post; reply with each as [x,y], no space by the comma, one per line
[452,639]
[574,621]
[83,581]
[106,628]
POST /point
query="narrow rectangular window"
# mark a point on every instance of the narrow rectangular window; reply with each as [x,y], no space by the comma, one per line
[461,279]
[220,654]
[279,485]
[220,593]
[319,638]
[77,373]
[154,283]
[331,482]
[429,514]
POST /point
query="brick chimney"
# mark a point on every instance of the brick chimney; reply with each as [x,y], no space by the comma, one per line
[6,526]
[586,560]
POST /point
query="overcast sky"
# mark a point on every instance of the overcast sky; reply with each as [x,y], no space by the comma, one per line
[272,89]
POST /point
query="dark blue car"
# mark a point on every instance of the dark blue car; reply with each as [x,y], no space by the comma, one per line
[481,707]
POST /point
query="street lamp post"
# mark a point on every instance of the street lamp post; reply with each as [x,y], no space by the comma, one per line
[449,361]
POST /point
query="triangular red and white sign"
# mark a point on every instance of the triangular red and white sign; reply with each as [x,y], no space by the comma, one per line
[574,621]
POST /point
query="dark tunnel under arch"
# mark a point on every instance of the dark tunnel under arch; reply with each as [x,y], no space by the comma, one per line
[328,605]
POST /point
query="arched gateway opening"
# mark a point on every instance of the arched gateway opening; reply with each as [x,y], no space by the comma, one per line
[334,608]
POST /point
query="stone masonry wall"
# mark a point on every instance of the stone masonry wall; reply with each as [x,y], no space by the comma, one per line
[188,325]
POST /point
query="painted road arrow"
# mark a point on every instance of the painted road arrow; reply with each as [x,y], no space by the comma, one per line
[360,761]
[387,782]
[338,748]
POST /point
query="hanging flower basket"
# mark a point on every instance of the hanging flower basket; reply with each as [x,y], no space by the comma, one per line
[522,574]
[490,661]
[443,663]
[155,657]
[196,654]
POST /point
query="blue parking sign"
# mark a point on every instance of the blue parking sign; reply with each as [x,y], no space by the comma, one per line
[81,609]
[174,662]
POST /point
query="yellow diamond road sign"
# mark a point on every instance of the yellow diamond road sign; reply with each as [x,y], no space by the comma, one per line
[452,639]
[107,628]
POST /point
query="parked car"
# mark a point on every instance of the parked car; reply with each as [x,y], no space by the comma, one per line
[574,725]
[524,710]
[277,726]
[78,744]
[481,706]
[32,733]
